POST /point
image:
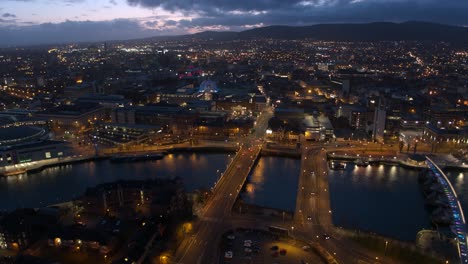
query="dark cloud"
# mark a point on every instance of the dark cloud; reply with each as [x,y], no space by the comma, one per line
[219,12]
[170,23]
[8,15]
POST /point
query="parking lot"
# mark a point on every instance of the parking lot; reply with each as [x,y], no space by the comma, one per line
[252,246]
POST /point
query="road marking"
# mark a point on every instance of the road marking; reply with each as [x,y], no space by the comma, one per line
[187,249]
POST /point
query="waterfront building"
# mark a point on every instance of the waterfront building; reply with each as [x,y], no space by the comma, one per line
[445,135]
[17,135]
[124,134]
[123,198]
[14,158]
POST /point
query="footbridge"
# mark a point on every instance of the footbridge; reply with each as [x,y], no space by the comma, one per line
[459,225]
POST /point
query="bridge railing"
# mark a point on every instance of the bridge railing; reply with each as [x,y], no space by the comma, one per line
[457,211]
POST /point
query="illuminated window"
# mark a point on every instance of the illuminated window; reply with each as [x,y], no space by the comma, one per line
[60,154]
[47,155]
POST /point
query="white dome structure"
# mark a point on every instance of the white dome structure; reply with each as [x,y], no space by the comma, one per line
[208,86]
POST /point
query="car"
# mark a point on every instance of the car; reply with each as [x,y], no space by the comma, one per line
[228,254]
[306,248]
[231,237]
[326,236]
[274,254]
[275,247]
[309,218]
[283,252]
[248,250]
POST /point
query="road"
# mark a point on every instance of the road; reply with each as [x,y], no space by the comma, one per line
[202,246]
[313,214]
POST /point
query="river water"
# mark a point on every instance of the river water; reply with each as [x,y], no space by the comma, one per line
[59,184]
[383,199]
[273,183]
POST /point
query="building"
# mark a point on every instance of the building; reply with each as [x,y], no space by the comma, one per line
[172,118]
[79,89]
[17,135]
[16,157]
[260,103]
[22,227]
[74,116]
[356,115]
[74,236]
[149,197]
[317,128]
[124,134]
[444,117]
[107,101]
[380,116]
[445,135]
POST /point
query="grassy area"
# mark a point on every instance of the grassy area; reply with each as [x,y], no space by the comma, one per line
[396,252]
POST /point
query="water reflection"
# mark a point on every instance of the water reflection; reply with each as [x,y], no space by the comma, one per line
[58,184]
[384,199]
[273,183]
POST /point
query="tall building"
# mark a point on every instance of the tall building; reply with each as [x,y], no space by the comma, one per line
[380,115]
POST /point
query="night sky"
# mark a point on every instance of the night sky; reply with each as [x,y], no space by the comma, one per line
[48,21]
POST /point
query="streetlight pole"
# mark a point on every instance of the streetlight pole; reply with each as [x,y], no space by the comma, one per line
[386,244]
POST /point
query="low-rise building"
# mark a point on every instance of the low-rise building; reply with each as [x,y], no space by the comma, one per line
[123,134]
[16,157]
[74,116]
[22,227]
[149,197]
[449,135]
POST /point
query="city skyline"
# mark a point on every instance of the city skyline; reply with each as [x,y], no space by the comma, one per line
[28,22]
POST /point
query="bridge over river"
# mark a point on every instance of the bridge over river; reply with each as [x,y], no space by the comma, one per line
[459,225]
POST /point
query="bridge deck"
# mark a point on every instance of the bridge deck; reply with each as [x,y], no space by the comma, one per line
[459,226]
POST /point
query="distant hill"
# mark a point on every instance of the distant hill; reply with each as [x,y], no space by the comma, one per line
[379,31]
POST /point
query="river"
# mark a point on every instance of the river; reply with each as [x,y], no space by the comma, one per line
[59,184]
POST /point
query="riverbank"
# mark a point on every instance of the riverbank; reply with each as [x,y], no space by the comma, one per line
[401,159]
[37,166]
[403,252]
[184,147]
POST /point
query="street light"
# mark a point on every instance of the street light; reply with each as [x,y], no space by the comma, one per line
[386,244]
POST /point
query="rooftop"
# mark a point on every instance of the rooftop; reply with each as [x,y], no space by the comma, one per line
[75,109]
